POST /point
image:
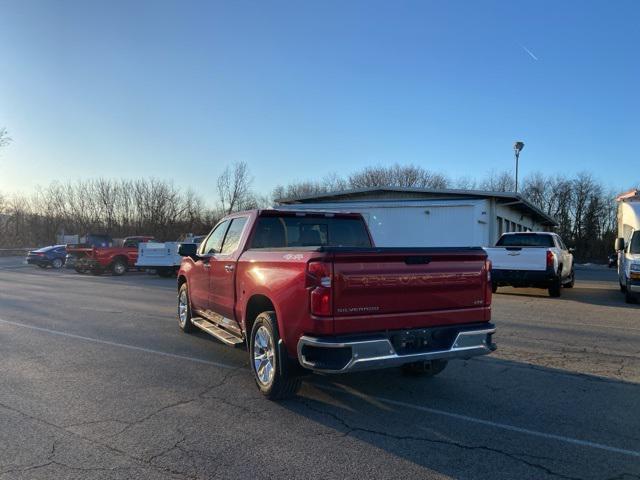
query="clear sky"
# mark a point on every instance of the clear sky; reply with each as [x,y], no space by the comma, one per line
[299,89]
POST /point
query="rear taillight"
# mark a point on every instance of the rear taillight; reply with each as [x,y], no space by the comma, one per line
[549,259]
[319,283]
[488,287]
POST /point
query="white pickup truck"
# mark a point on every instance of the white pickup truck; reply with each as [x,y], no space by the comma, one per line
[163,258]
[532,259]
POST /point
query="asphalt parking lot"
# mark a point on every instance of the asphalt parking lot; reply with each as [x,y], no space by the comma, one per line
[97,381]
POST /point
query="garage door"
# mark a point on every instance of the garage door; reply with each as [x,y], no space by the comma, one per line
[427,226]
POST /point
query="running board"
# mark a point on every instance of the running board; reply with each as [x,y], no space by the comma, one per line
[217,332]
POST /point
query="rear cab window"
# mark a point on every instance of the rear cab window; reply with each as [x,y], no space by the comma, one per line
[526,240]
[309,231]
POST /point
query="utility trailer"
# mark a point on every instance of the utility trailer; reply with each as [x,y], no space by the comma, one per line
[163,257]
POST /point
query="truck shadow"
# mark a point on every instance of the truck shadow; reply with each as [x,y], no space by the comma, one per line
[483,418]
[605,295]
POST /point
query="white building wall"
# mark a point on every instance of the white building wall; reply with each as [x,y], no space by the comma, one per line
[418,223]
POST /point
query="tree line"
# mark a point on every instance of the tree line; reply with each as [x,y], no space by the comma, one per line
[120,207]
[583,207]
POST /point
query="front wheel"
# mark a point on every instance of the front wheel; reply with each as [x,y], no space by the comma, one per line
[629,296]
[184,309]
[119,267]
[274,382]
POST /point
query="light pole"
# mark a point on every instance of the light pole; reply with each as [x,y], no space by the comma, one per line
[517,148]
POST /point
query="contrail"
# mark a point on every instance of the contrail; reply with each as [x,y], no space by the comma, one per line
[529,52]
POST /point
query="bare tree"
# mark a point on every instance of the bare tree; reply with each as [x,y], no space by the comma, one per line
[234,188]
[498,182]
[5,139]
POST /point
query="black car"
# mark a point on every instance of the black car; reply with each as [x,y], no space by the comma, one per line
[51,256]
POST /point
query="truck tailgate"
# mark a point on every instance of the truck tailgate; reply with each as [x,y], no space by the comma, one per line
[403,288]
[518,258]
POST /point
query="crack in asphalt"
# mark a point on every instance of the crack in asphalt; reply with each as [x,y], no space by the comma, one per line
[152,460]
[349,429]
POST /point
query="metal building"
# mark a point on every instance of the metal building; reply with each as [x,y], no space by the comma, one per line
[417,217]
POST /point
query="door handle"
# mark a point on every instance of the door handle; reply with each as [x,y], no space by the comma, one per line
[229,268]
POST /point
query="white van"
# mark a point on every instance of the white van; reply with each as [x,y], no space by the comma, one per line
[628,245]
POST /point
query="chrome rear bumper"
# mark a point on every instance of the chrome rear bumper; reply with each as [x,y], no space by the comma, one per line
[375,353]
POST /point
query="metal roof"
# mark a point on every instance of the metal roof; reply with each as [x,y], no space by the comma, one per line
[512,199]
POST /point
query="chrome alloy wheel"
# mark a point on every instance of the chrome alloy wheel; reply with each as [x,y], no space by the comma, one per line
[119,268]
[263,356]
[183,308]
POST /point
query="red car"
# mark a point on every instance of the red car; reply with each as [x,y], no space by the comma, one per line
[310,292]
[98,260]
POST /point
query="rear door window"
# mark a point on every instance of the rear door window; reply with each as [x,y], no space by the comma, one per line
[234,233]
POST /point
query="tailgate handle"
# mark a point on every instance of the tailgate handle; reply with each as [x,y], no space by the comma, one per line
[417,260]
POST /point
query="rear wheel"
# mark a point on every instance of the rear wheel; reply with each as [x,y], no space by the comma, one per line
[424,369]
[119,267]
[270,370]
[42,265]
[555,288]
[572,280]
[629,296]
[184,309]
[57,263]
[166,272]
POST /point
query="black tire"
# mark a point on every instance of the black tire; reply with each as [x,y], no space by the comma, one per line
[119,267]
[184,322]
[80,270]
[623,288]
[424,369]
[57,263]
[629,296]
[42,265]
[274,382]
[166,272]
[555,289]
[571,282]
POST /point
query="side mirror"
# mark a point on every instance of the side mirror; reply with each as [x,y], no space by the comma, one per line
[188,250]
[619,245]
[572,250]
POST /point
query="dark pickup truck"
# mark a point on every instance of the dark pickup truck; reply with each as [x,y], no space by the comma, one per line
[309,292]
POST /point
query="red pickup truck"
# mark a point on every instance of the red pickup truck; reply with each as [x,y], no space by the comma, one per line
[100,259]
[309,291]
